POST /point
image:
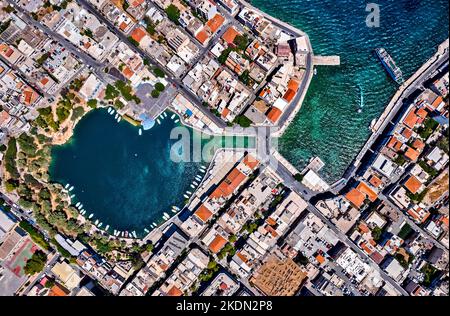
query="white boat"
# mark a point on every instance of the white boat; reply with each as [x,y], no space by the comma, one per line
[140,131]
[154,224]
[107,227]
[72,196]
[116,116]
[195,183]
[158,121]
[118,119]
[174,211]
[96,222]
[112,112]
[78,204]
[177,120]
[166,214]
[186,196]
[92,215]
[80,207]
[100,225]
[176,208]
[172,117]
[164,114]
[165,217]
[372,124]
[192,186]
[66,186]
[198,178]
[115,232]
[71,188]
[146,230]
[188,192]
[134,234]
[361,99]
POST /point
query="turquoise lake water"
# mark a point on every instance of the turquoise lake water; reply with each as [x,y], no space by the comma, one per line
[128,180]
[328,124]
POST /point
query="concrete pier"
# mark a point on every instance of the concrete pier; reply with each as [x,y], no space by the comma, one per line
[326,60]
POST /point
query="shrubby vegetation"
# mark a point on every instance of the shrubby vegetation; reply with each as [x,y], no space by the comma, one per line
[36,263]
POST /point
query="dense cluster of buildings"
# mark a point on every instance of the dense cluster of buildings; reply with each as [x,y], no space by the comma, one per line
[244,231]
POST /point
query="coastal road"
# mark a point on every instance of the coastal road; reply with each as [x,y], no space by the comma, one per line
[388,115]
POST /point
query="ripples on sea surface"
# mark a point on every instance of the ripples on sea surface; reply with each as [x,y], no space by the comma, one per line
[328,124]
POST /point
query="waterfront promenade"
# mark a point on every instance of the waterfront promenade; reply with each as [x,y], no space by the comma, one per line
[395,105]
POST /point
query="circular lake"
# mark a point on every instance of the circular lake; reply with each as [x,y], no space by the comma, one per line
[128,181]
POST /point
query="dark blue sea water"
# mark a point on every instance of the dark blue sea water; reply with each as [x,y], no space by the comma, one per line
[328,124]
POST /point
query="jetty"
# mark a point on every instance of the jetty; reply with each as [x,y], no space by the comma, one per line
[326,60]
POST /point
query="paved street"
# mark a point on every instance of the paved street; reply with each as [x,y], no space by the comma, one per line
[300,189]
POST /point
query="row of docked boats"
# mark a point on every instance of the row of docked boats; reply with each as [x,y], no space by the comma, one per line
[163,115]
[125,234]
[117,116]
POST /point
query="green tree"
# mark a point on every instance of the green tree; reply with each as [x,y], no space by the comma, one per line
[133,41]
[241,41]
[299,177]
[11,185]
[159,86]
[36,263]
[155,93]
[92,103]
[158,72]
[243,121]
[173,13]
[111,92]
[77,113]
[224,55]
